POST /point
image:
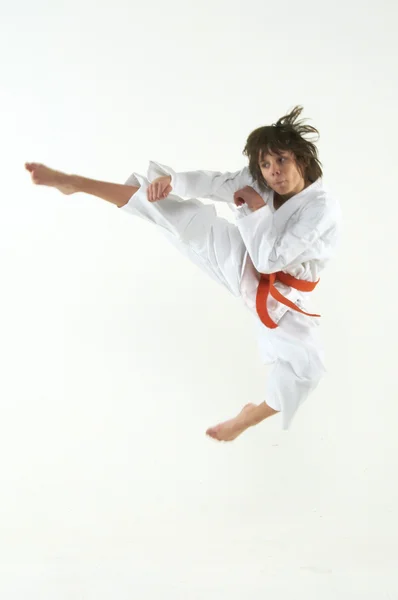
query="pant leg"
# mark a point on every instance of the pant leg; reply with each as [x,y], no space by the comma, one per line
[286,391]
[211,242]
[296,351]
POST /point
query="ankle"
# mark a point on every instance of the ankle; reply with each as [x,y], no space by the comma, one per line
[258,413]
[251,415]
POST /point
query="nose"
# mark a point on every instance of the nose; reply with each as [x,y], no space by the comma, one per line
[276,169]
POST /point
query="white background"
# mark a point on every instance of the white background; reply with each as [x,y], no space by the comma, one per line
[117,353]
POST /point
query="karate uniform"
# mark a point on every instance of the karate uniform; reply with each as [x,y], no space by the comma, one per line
[299,239]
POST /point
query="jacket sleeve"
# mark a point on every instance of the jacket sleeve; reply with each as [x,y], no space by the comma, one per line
[205,184]
[272,249]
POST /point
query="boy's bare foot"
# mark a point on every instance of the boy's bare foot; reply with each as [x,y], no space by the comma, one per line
[42,175]
[229,430]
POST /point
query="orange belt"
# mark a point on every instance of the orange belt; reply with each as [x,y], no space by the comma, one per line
[266,287]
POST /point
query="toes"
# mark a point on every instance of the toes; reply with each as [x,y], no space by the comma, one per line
[212,432]
[31,166]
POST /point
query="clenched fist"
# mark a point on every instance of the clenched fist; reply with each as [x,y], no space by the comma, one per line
[159,188]
[249,196]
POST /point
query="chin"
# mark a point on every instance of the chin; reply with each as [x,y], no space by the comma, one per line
[283,188]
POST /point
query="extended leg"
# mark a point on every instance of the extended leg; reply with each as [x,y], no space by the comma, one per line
[70,184]
[195,229]
[213,243]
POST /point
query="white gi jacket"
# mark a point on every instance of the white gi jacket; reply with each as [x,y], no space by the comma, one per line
[299,238]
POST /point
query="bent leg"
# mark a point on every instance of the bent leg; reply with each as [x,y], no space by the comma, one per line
[297,353]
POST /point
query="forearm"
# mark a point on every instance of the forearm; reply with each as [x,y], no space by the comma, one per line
[214,185]
[202,184]
[194,184]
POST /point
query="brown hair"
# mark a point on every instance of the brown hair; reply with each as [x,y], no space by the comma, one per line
[284,135]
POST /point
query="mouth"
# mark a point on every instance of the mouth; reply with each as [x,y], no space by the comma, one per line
[280,182]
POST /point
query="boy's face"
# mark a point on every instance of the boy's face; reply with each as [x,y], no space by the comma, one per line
[282,173]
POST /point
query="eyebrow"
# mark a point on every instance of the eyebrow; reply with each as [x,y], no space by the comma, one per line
[279,154]
[264,159]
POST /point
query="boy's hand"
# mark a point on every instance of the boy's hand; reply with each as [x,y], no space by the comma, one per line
[159,188]
[249,196]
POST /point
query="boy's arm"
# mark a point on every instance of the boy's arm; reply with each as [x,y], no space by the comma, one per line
[204,184]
